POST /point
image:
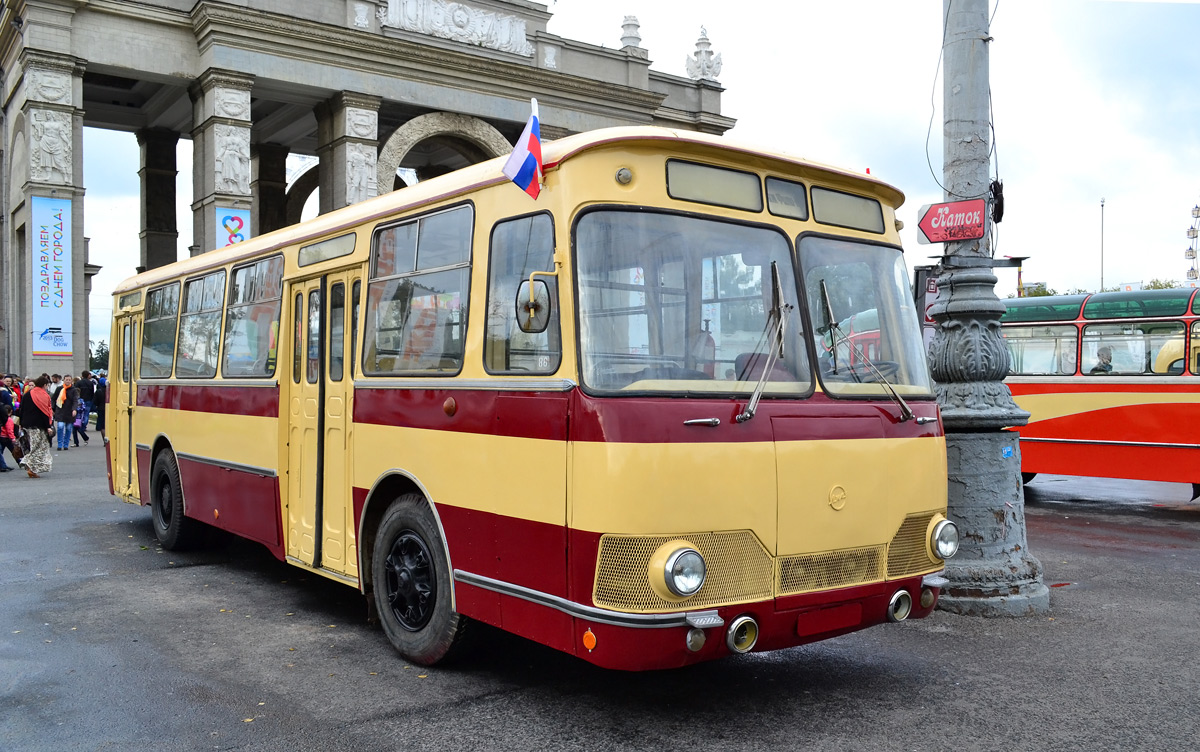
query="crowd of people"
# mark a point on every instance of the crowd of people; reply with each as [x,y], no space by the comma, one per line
[37,410]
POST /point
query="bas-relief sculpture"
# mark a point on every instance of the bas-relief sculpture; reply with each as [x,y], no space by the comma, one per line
[360,173]
[232,163]
[50,152]
[361,123]
[362,13]
[460,22]
[233,103]
[49,86]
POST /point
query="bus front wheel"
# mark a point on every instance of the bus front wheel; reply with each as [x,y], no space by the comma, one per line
[411,582]
[173,530]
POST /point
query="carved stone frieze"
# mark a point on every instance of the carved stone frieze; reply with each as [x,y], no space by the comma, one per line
[459,22]
[231,166]
[50,147]
[362,15]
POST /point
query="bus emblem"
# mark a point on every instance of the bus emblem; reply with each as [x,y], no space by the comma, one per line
[837,498]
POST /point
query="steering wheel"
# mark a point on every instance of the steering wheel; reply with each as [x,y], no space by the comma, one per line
[863,373]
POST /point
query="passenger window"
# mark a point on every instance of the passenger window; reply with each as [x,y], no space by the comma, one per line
[158,332]
[200,327]
[417,297]
[252,319]
[1042,350]
[519,247]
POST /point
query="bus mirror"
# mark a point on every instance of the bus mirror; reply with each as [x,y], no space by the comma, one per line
[533,306]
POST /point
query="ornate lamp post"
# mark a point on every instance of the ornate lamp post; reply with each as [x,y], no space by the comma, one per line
[993,573]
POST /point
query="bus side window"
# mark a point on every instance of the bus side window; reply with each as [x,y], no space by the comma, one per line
[519,247]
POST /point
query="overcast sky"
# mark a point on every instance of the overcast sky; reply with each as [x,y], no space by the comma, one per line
[1091,99]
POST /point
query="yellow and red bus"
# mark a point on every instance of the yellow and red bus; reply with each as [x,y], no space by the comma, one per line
[597,420]
[1112,383]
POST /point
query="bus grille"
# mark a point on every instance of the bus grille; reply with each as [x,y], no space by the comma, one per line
[739,570]
[907,554]
[832,569]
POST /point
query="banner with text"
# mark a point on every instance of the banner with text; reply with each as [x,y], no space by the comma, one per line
[51,249]
[233,226]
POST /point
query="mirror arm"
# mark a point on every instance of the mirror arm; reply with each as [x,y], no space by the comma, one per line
[557,269]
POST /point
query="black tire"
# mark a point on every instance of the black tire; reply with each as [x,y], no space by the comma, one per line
[173,530]
[411,582]
[1026,477]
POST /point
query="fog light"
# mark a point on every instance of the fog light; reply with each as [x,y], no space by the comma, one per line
[927,598]
[695,639]
[742,634]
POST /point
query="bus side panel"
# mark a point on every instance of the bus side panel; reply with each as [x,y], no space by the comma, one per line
[1150,414]
[246,504]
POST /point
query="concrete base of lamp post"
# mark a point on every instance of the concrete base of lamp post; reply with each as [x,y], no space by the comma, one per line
[993,573]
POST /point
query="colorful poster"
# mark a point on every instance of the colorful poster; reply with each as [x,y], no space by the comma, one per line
[233,226]
[51,249]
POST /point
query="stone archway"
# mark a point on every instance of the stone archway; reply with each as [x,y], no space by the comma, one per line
[301,189]
[473,131]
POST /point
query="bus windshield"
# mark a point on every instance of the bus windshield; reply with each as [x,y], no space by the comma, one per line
[859,303]
[683,304]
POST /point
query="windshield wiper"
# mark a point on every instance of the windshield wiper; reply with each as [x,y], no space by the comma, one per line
[906,413]
[775,348]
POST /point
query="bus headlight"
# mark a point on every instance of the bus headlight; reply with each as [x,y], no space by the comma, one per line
[944,539]
[677,570]
[685,572]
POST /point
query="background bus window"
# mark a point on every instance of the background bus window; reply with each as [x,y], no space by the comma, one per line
[416,320]
[1196,345]
[337,330]
[1141,348]
[158,332]
[1042,350]
[252,319]
[200,327]
[519,247]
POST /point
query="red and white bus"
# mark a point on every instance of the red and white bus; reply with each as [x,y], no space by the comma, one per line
[1112,382]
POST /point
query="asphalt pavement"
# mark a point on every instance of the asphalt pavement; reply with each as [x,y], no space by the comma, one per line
[108,642]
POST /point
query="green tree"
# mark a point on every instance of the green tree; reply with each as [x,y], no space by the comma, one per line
[98,357]
[1160,284]
[1039,291]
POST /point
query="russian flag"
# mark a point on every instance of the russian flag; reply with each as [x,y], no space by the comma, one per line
[524,165]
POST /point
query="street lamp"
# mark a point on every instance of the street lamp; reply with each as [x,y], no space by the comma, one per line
[1101,246]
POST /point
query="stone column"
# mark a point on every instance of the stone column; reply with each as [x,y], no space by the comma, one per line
[160,232]
[993,573]
[52,169]
[347,144]
[221,165]
[268,186]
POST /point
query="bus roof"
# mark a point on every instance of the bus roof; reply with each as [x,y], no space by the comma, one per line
[1043,308]
[474,177]
[1101,305]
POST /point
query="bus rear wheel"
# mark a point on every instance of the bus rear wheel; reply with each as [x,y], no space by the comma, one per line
[173,530]
[411,582]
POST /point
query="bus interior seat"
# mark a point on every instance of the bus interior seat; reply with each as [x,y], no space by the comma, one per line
[749,367]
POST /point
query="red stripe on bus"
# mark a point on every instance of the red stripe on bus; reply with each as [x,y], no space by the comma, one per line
[257,401]
[243,503]
[1166,423]
[635,419]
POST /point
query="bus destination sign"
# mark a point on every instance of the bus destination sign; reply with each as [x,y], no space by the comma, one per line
[952,221]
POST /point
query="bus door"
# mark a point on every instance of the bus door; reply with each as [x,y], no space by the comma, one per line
[122,399]
[320,514]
